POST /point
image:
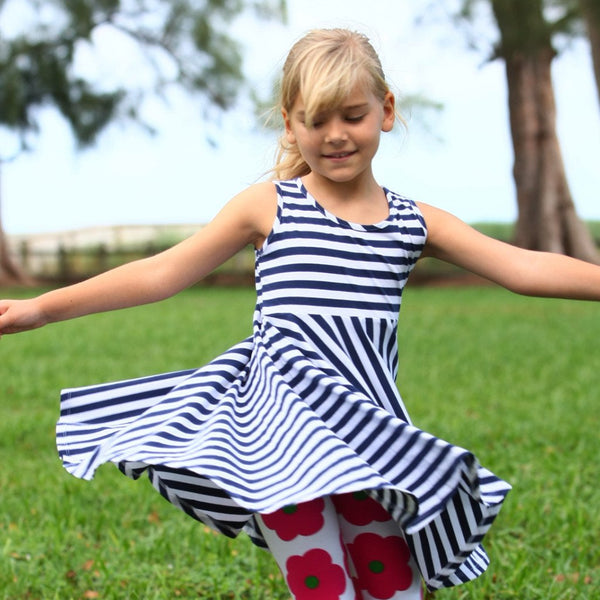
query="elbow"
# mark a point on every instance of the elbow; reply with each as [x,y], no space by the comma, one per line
[162,279]
[152,279]
[523,272]
[531,280]
[520,286]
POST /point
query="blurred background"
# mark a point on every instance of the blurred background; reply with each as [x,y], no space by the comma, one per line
[131,122]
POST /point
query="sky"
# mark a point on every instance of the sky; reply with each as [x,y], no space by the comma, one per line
[458,159]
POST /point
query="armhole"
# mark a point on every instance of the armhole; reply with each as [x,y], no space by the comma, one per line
[421,219]
[412,208]
[276,221]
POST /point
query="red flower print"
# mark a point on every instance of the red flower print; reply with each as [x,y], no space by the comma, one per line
[381,564]
[359,508]
[314,576]
[296,519]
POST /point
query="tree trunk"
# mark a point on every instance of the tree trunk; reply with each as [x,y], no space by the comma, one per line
[590,9]
[10,272]
[547,218]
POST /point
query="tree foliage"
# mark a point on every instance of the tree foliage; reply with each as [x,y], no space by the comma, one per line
[590,11]
[185,42]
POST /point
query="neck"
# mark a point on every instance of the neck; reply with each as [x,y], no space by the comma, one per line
[363,203]
[360,188]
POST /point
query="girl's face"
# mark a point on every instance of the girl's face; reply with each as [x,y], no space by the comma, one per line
[340,144]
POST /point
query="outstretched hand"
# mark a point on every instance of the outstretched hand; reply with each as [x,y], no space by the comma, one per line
[20,315]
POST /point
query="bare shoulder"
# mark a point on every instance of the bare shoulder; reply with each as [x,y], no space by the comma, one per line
[258,192]
[255,208]
[259,196]
[433,214]
[456,242]
[451,239]
[441,226]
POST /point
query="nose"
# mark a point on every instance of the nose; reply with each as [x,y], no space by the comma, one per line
[336,131]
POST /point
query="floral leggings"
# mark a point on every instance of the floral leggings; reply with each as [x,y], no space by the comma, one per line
[343,547]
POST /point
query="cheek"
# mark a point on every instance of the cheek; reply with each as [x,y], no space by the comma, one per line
[373,135]
[304,141]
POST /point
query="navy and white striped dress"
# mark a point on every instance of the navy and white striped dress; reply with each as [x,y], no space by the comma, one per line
[305,407]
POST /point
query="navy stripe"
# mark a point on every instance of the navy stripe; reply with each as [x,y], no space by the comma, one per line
[330,286]
[337,270]
[334,303]
[344,255]
[386,240]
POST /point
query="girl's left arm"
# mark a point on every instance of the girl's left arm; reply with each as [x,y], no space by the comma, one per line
[522,271]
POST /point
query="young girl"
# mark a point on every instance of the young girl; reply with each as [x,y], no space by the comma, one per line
[297,435]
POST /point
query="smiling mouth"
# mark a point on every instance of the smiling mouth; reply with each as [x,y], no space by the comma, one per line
[339,155]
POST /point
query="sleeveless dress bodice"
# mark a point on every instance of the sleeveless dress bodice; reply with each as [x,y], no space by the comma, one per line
[305,407]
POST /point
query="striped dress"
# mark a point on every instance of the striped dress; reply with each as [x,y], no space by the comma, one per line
[305,407]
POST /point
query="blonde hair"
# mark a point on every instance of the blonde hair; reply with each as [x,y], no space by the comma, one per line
[324,66]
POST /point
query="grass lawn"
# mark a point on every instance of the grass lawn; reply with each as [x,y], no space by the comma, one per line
[514,379]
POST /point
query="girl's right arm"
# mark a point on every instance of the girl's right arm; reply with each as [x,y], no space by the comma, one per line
[246,219]
[527,272]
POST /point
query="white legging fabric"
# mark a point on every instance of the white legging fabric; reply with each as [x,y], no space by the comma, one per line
[343,547]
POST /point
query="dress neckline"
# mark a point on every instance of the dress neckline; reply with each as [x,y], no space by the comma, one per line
[344,222]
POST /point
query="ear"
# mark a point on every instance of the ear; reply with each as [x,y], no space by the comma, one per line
[289,134]
[389,112]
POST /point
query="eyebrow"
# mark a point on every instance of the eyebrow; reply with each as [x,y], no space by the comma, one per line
[361,106]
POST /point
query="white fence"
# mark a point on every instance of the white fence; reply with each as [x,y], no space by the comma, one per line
[74,255]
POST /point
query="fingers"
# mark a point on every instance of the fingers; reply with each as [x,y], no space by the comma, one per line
[3,309]
[9,317]
[20,315]
[3,319]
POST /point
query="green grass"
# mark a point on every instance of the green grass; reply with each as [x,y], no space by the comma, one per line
[514,379]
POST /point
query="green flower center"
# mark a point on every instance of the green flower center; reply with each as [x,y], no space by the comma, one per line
[311,582]
[290,510]
[376,566]
[360,495]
